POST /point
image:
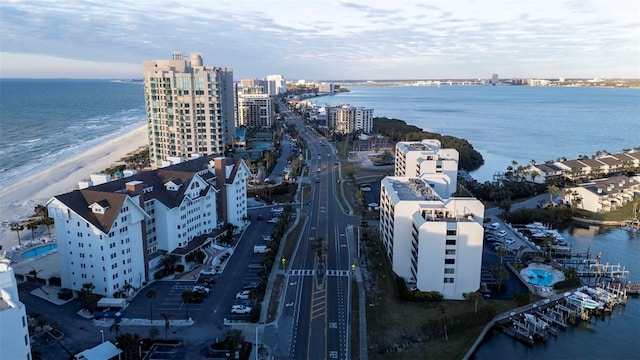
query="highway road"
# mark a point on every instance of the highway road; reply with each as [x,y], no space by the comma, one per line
[317,289]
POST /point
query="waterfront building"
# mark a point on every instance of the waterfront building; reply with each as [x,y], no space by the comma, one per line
[255,109]
[414,158]
[190,108]
[431,241]
[115,235]
[14,330]
[346,119]
[543,173]
[275,85]
[326,88]
[604,195]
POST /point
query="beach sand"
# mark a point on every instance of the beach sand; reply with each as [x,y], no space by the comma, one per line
[18,200]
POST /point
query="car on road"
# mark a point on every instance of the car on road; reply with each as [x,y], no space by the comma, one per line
[240,309]
[243,295]
[366,188]
[273,220]
[501,233]
[260,217]
[317,180]
[319,170]
[266,237]
[278,210]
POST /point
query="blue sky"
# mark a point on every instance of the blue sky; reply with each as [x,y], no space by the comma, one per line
[325,39]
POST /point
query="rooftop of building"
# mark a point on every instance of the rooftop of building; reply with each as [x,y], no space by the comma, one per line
[424,145]
[612,185]
[412,189]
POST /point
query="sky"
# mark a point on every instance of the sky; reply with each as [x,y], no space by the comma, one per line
[325,39]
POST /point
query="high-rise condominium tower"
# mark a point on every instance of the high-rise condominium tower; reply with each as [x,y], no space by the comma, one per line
[190,108]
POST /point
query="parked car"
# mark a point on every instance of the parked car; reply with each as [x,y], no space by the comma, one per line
[510,241]
[266,237]
[243,295]
[273,220]
[200,288]
[209,271]
[501,233]
[240,309]
[277,210]
[250,286]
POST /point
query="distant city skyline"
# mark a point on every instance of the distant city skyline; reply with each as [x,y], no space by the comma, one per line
[333,39]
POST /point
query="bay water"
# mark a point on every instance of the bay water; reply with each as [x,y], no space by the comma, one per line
[43,122]
[523,123]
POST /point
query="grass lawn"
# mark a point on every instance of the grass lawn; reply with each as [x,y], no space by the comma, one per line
[621,214]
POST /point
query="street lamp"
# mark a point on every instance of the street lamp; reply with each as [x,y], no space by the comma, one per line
[102,335]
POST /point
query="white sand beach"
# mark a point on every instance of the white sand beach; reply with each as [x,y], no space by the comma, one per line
[18,200]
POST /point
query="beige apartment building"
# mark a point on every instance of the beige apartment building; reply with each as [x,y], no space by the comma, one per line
[190,108]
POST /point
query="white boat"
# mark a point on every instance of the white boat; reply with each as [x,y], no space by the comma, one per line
[584,300]
[536,226]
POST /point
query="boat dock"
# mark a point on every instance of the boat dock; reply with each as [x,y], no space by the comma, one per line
[536,322]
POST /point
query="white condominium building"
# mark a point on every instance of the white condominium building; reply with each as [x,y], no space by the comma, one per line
[190,108]
[275,85]
[14,329]
[431,241]
[116,233]
[255,110]
[414,158]
[346,119]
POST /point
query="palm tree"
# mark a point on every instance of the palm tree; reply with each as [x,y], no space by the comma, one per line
[127,288]
[187,296]
[48,222]
[475,297]
[552,190]
[534,174]
[32,225]
[41,211]
[129,344]
[166,324]
[17,228]
[150,294]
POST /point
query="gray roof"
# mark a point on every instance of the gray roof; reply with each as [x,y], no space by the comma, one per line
[114,193]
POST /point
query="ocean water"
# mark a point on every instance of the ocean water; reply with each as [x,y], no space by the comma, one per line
[507,123]
[43,122]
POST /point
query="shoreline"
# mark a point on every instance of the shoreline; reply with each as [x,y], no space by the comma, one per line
[18,199]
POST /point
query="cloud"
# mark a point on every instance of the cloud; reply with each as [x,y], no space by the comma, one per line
[349,39]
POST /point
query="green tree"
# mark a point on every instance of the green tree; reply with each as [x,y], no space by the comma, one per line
[475,297]
[17,228]
[48,222]
[150,294]
[168,262]
[130,346]
[552,190]
[86,295]
[32,225]
[41,211]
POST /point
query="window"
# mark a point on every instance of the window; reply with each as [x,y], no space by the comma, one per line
[451,232]
[451,242]
[449,271]
[450,261]
[448,280]
[450,252]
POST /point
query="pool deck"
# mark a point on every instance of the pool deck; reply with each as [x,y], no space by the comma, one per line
[544,291]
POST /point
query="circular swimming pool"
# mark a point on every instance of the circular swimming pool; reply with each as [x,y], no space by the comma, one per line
[538,277]
[39,251]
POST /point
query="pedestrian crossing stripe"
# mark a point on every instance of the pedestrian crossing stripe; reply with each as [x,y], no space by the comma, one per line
[314,272]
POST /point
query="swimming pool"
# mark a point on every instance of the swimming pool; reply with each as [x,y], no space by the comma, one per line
[39,251]
[538,277]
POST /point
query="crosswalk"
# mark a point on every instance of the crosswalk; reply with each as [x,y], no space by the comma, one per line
[314,272]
